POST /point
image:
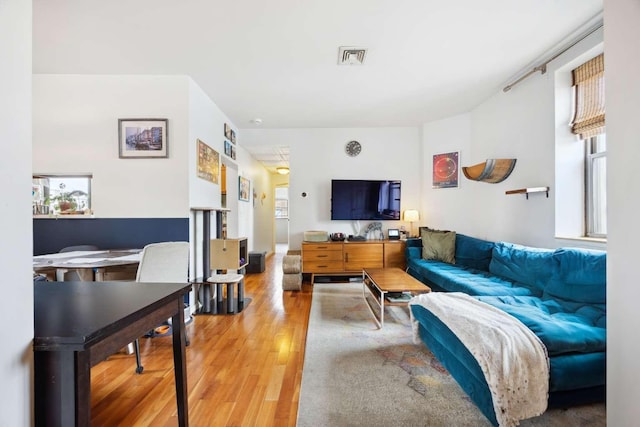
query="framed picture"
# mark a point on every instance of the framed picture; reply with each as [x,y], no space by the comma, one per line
[227,131]
[446,170]
[243,189]
[142,138]
[227,148]
[208,162]
[233,152]
[233,136]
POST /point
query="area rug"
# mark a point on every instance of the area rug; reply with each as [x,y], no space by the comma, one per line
[358,375]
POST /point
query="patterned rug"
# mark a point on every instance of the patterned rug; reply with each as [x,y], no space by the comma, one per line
[358,375]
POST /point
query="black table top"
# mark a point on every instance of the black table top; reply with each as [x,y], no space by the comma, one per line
[74,315]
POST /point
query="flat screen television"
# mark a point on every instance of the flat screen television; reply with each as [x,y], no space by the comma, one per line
[356,199]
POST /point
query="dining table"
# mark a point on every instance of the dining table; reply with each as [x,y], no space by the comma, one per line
[80,324]
[90,265]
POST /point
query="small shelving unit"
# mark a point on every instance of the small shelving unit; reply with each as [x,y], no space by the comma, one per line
[530,190]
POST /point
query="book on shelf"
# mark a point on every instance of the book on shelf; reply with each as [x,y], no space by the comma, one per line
[398,296]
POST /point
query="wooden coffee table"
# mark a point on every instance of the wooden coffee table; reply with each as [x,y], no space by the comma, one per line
[377,283]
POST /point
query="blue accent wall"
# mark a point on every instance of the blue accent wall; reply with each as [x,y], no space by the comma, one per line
[51,235]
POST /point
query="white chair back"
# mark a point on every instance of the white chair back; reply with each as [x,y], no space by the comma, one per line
[164,262]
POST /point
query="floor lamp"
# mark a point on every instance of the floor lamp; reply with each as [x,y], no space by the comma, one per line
[411,215]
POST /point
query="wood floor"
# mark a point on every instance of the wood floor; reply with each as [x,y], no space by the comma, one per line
[243,370]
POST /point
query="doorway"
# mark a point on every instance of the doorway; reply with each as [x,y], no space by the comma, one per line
[281,214]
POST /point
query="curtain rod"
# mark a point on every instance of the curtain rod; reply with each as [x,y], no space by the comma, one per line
[543,67]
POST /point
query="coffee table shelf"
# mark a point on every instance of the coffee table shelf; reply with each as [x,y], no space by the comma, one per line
[377,283]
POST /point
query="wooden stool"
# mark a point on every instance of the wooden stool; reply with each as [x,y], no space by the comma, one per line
[229,279]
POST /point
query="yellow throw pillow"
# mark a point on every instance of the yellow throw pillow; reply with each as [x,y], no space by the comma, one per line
[439,245]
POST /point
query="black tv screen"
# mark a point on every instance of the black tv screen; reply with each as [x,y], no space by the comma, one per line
[353,199]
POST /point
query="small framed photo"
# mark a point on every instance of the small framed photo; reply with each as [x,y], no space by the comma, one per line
[142,138]
[227,148]
[233,152]
[227,131]
[233,136]
[243,189]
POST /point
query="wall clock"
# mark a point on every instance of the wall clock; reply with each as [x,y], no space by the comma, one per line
[353,148]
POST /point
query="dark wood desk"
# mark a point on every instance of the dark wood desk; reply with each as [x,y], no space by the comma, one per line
[79,324]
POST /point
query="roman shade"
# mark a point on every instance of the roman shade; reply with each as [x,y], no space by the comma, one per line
[588,84]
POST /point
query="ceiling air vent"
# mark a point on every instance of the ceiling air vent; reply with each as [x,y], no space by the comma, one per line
[351,55]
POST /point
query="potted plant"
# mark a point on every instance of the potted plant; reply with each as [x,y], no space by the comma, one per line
[64,201]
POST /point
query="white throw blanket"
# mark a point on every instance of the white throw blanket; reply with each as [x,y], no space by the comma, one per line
[513,359]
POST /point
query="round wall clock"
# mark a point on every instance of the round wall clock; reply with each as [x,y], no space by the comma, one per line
[353,148]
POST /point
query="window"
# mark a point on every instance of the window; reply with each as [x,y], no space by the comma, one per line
[61,194]
[282,208]
[589,124]
[596,186]
[282,202]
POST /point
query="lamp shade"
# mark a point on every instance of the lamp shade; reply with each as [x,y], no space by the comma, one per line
[282,170]
[411,215]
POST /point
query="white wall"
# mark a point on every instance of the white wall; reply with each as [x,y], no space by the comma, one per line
[16,356]
[448,208]
[518,124]
[317,156]
[622,68]
[75,130]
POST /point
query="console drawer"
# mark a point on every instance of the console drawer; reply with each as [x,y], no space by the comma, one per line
[322,266]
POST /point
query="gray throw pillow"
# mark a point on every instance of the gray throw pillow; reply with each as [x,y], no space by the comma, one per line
[439,245]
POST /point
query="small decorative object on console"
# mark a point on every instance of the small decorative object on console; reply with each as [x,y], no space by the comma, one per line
[315,236]
[393,233]
[337,237]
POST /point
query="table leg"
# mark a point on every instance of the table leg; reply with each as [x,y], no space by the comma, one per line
[62,388]
[180,365]
[99,274]
[60,274]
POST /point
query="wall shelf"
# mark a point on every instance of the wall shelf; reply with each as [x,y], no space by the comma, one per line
[527,191]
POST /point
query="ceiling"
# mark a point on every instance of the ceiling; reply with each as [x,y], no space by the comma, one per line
[277,60]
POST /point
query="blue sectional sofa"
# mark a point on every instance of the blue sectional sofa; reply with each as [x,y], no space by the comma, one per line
[559,294]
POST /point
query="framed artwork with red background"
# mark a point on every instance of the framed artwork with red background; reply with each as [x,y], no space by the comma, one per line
[446,170]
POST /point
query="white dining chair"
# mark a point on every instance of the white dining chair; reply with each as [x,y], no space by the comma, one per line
[162,262]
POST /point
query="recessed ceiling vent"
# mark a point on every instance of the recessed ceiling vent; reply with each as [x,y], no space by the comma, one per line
[351,55]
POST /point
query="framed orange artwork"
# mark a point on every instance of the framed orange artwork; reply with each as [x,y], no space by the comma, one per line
[208,163]
[446,170]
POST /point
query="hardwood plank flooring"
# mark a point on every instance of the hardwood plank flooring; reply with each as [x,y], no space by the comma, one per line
[242,370]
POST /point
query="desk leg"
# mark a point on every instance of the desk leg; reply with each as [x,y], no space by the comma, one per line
[180,365]
[60,274]
[62,388]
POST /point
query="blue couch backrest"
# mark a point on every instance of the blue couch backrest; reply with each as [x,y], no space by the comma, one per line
[470,251]
[531,267]
[581,276]
[473,252]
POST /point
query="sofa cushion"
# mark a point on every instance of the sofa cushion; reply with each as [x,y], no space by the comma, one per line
[473,252]
[439,245]
[456,278]
[563,328]
[581,276]
[531,267]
